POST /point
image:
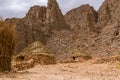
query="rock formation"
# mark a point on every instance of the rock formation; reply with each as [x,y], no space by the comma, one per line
[30,28]
[83,22]
[109,23]
[39,24]
[109,12]
[106,22]
[54,16]
[83,29]
[84,15]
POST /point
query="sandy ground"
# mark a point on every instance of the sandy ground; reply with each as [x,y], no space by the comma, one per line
[69,71]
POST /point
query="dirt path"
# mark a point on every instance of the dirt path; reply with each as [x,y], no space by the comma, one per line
[70,71]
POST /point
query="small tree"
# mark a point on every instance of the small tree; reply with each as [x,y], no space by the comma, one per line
[7,45]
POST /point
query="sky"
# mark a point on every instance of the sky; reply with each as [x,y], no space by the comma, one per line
[18,8]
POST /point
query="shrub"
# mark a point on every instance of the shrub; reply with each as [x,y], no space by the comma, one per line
[7,45]
[118,53]
[81,54]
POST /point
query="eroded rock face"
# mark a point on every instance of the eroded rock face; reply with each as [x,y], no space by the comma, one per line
[65,42]
[109,12]
[83,22]
[31,27]
[84,15]
[109,22]
[106,22]
[55,18]
[39,24]
[96,33]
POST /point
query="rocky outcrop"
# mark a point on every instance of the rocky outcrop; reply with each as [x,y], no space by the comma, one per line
[54,16]
[84,15]
[108,21]
[39,24]
[12,21]
[83,22]
[65,42]
[109,12]
[105,21]
[93,32]
[31,27]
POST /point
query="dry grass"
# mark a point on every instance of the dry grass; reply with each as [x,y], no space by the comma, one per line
[77,56]
[7,45]
[35,53]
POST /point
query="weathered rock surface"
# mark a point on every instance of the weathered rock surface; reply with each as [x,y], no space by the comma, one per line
[55,18]
[84,15]
[96,33]
[105,21]
[109,12]
[39,24]
[31,27]
[109,22]
[82,21]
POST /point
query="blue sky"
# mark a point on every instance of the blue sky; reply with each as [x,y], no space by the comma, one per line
[18,8]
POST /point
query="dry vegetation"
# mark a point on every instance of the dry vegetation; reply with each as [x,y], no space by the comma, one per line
[35,53]
[7,45]
[77,56]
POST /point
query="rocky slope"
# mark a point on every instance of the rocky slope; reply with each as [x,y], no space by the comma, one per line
[39,24]
[83,22]
[105,25]
[66,42]
[108,21]
[83,29]
[109,12]
[84,15]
